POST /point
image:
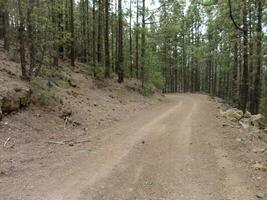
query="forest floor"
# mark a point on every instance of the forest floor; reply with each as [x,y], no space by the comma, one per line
[117,144]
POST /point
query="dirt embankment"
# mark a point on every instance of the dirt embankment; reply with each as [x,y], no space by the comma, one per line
[65,112]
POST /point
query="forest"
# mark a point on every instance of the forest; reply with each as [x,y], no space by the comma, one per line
[214,47]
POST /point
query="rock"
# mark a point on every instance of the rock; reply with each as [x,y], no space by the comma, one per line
[1,102]
[13,100]
[25,97]
[71,83]
[247,114]
[66,113]
[246,124]
[260,167]
[225,125]
[260,195]
[71,144]
[257,121]
[111,96]
[258,150]
[232,114]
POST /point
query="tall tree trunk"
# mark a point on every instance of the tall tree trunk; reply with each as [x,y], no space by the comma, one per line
[137,40]
[54,17]
[235,74]
[143,48]
[113,38]
[244,88]
[107,55]
[72,54]
[6,29]
[120,45]
[84,32]
[21,31]
[94,38]
[131,41]
[87,31]
[257,83]
[251,62]
[31,36]
[99,39]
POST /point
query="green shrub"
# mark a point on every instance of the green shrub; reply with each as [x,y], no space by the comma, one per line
[100,72]
[158,80]
[44,95]
[147,89]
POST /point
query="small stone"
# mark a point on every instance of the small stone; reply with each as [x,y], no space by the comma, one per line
[260,167]
[225,125]
[71,144]
[257,120]
[17,89]
[247,114]
[71,83]
[260,195]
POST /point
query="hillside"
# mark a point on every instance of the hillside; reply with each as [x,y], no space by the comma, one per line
[60,113]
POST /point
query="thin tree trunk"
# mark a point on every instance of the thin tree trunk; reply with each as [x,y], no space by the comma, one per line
[55,35]
[94,38]
[244,88]
[72,54]
[31,37]
[131,41]
[235,74]
[107,55]
[99,39]
[21,41]
[257,83]
[143,48]
[6,30]
[251,66]
[120,45]
[137,40]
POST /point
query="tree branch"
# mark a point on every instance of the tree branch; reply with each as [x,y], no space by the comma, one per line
[232,18]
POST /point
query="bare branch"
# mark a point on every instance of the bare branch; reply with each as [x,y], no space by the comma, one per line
[232,18]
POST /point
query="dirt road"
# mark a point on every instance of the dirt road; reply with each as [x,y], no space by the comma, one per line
[174,151]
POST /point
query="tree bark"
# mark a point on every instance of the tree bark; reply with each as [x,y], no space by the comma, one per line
[137,40]
[94,38]
[6,30]
[257,83]
[21,30]
[143,48]
[107,55]
[120,45]
[244,86]
[72,53]
[99,38]
[131,42]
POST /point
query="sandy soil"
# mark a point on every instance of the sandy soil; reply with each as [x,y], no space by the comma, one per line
[178,149]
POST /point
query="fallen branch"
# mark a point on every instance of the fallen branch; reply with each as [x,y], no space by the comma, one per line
[68,142]
[65,122]
[7,141]
[55,142]
[264,150]
[83,141]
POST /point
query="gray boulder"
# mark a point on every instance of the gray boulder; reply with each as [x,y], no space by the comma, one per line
[14,99]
